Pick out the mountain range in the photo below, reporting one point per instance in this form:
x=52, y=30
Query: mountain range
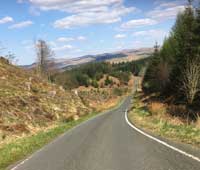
x=114, y=57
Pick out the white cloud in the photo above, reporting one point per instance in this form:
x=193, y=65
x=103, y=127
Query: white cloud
x=138, y=23
x=89, y=18
x=75, y=6
x=34, y=11
x=68, y=39
x=81, y=38
x=6, y=20
x=166, y=10
x=64, y=39
x=154, y=33
x=84, y=12
x=120, y=36
x=62, y=48
x=52, y=44
x=21, y=25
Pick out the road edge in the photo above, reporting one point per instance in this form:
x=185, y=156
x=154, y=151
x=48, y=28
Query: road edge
x=60, y=136
x=160, y=141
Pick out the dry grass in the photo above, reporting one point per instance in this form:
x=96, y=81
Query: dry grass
x=157, y=108
x=155, y=118
x=197, y=123
x=29, y=102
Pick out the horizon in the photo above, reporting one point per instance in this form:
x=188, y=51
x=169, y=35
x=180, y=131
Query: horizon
x=79, y=28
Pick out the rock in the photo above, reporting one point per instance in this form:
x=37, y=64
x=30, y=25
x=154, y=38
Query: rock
x=75, y=117
x=28, y=85
x=76, y=92
x=52, y=93
x=61, y=88
x=56, y=108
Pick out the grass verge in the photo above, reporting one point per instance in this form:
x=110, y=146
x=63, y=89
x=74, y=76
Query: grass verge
x=23, y=147
x=163, y=124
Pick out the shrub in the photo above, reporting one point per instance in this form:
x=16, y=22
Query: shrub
x=118, y=91
x=157, y=108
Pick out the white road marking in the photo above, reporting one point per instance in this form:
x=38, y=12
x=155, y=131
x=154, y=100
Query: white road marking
x=160, y=141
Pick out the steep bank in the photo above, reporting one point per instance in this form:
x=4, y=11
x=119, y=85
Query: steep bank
x=28, y=102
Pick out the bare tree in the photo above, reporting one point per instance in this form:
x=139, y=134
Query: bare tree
x=11, y=57
x=191, y=79
x=44, y=58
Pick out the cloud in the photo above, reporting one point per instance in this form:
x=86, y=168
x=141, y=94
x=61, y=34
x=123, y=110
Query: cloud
x=62, y=48
x=67, y=39
x=21, y=25
x=64, y=39
x=81, y=38
x=120, y=36
x=6, y=20
x=34, y=11
x=89, y=18
x=84, y=12
x=138, y=23
x=166, y=10
x=154, y=33
x=75, y=6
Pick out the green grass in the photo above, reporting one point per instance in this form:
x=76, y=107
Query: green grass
x=21, y=148
x=159, y=125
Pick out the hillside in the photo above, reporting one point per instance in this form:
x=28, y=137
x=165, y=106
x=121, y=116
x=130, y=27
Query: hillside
x=27, y=102
x=115, y=57
x=100, y=74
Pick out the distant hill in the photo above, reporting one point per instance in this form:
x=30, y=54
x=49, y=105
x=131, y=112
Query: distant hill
x=116, y=57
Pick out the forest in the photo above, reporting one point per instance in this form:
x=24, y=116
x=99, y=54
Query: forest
x=174, y=70
x=89, y=74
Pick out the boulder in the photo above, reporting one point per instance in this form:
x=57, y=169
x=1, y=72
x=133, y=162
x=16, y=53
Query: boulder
x=75, y=117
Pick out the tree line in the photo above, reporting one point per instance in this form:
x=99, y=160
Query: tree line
x=174, y=69
x=91, y=73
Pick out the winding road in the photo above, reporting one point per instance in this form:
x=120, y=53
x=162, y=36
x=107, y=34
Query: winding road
x=107, y=142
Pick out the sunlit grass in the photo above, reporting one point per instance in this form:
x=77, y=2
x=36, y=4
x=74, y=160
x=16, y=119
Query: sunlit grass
x=155, y=120
x=21, y=148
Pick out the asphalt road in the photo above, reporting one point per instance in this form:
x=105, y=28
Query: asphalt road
x=107, y=143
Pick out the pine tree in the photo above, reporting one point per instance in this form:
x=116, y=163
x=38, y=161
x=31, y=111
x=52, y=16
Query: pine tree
x=150, y=81
x=197, y=28
x=184, y=41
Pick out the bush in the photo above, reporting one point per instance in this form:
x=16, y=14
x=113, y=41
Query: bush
x=108, y=81
x=118, y=91
x=157, y=108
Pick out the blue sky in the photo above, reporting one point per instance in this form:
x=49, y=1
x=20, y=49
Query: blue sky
x=74, y=28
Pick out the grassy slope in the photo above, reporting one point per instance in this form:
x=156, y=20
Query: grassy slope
x=28, y=103
x=19, y=149
x=158, y=122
